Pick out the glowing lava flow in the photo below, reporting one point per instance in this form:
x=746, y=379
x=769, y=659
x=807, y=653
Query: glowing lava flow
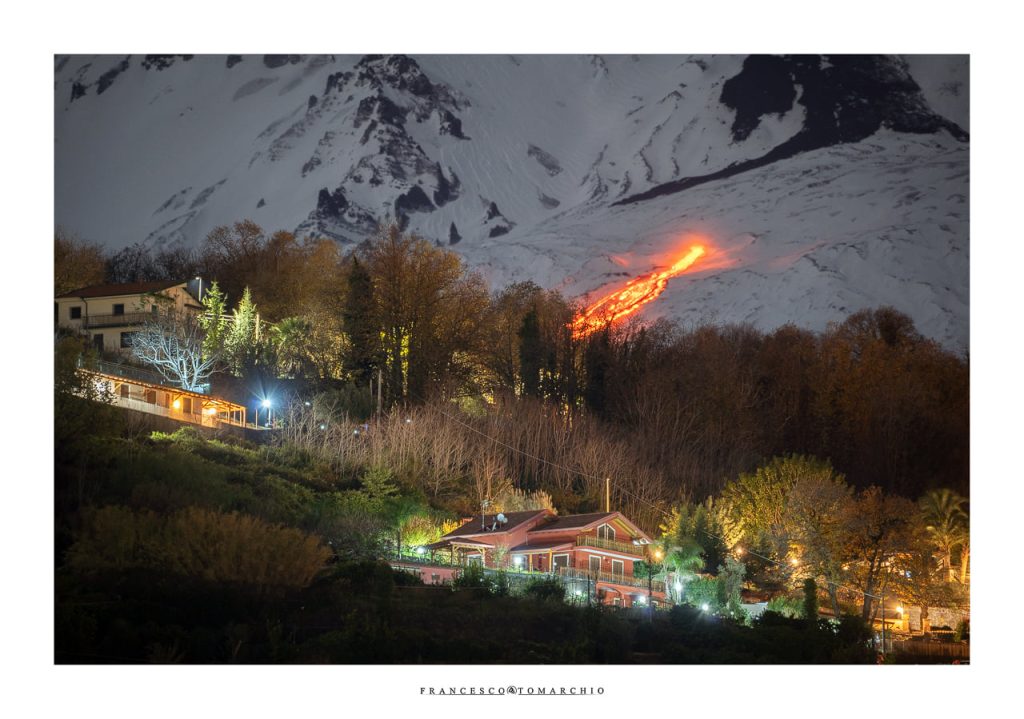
x=637, y=293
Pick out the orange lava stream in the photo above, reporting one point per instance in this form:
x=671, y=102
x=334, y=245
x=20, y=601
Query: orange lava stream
x=637, y=293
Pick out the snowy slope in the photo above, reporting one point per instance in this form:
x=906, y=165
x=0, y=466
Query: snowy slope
x=823, y=185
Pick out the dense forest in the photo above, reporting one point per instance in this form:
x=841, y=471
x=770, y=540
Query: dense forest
x=680, y=410
x=409, y=392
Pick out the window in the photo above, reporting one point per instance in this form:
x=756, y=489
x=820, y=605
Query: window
x=153, y=309
x=126, y=339
x=616, y=601
x=595, y=564
x=561, y=560
x=435, y=578
x=76, y=313
x=97, y=342
x=119, y=309
x=605, y=532
x=618, y=567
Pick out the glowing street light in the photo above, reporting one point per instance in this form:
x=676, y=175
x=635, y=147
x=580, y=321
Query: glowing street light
x=704, y=607
x=421, y=550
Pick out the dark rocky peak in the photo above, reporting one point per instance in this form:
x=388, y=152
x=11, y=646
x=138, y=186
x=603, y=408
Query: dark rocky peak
x=162, y=62
x=331, y=205
x=274, y=61
x=402, y=73
x=107, y=78
x=846, y=99
x=496, y=222
x=337, y=81
x=381, y=108
x=233, y=60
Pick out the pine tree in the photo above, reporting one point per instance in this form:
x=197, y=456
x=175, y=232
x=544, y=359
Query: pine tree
x=531, y=354
x=214, y=321
x=358, y=322
x=242, y=342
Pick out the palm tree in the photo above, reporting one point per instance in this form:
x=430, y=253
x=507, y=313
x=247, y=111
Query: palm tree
x=946, y=524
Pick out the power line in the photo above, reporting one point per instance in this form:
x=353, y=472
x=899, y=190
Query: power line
x=634, y=496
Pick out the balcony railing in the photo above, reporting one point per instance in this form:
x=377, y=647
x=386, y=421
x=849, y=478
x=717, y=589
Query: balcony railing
x=124, y=319
x=611, y=578
x=589, y=540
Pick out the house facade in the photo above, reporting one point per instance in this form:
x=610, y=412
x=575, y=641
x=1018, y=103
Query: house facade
x=594, y=554
x=109, y=314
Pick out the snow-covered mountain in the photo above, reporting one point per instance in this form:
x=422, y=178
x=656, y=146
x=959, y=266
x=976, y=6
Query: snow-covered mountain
x=821, y=184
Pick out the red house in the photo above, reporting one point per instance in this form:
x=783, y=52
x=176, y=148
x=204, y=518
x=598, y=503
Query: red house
x=593, y=553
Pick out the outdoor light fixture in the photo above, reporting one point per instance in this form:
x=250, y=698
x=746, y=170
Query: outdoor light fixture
x=518, y=561
x=177, y=404
x=679, y=587
x=307, y=404
x=579, y=592
x=739, y=551
x=704, y=607
x=323, y=426
x=641, y=600
x=420, y=550
x=355, y=432
x=899, y=609
x=794, y=561
x=408, y=420
x=266, y=404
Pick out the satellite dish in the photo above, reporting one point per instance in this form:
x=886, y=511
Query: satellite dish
x=501, y=518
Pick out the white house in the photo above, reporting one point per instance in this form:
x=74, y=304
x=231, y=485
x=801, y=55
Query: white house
x=109, y=314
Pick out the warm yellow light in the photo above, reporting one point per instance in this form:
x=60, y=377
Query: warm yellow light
x=794, y=561
x=177, y=404
x=846, y=567
x=899, y=609
x=211, y=410
x=637, y=292
x=739, y=551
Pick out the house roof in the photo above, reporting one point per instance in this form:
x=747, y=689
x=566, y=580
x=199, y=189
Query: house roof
x=130, y=288
x=472, y=528
x=576, y=521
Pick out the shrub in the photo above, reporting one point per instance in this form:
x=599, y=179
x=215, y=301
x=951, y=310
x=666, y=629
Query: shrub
x=546, y=589
x=198, y=543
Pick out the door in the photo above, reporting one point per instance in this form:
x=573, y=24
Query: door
x=97, y=342
x=594, y=564
x=618, y=567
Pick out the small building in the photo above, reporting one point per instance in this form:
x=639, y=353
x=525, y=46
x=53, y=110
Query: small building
x=109, y=314
x=136, y=389
x=594, y=554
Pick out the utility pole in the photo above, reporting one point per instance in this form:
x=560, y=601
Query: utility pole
x=380, y=395
x=607, y=494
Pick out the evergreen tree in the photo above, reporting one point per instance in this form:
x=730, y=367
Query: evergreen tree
x=242, y=342
x=596, y=364
x=214, y=321
x=358, y=322
x=531, y=354
x=811, y=602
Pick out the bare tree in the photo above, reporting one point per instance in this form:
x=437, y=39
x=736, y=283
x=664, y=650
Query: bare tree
x=172, y=344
